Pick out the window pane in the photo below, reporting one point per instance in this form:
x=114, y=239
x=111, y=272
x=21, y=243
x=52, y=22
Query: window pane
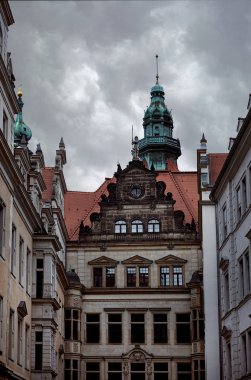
x=92, y=317
x=137, y=333
x=131, y=277
x=110, y=277
x=161, y=367
x=114, y=366
x=92, y=366
x=92, y=333
x=143, y=276
x=114, y=318
x=160, y=333
x=137, y=367
x=115, y=333
x=97, y=277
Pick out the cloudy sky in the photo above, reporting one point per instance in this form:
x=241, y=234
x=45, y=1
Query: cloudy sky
x=86, y=69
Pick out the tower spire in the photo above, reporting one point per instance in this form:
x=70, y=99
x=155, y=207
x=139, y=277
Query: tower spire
x=157, y=69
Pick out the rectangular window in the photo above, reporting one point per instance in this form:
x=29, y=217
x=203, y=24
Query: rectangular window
x=1, y=324
x=28, y=270
x=244, y=193
x=160, y=328
x=92, y=371
x=226, y=291
x=27, y=347
x=229, y=360
x=39, y=278
x=137, y=371
x=19, y=341
x=183, y=334
x=247, y=273
x=224, y=221
x=114, y=328
x=21, y=259
x=2, y=227
x=110, y=277
x=244, y=354
x=11, y=334
x=72, y=324
x=71, y=369
x=143, y=276
x=241, y=278
x=5, y=126
x=131, y=276
x=137, y=328
x=13, y=249
x=115, y=371
x=198, y=324
x=238, y=203
x=38, y=350
x=184, y=371
x=177, y=276
x=164, y=276
x=160, y=371
x=199, y=370
x=92, y=328
x=97, y=277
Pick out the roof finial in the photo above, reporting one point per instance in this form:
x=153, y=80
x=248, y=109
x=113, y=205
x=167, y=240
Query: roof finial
x=157, y=69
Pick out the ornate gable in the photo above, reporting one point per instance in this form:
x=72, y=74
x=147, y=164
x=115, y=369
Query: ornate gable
x=170, y=259
x=137, y=260
x=103, y=260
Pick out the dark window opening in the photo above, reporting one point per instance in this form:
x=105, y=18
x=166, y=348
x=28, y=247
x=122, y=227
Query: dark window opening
x=92, y=328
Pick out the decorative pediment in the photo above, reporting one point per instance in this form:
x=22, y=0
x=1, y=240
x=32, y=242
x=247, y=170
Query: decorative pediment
x=137, y=354
x=170, y=259
x=137, y=260
x=224, y=263
x=22, y=309
x=103, y=260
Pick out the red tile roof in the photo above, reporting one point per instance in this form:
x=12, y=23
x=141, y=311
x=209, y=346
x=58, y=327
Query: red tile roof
x=80, y=205
x=183, y=186
x=215, y=161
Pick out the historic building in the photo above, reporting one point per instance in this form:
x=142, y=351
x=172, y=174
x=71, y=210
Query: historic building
x=135, y=255
x=225, y=199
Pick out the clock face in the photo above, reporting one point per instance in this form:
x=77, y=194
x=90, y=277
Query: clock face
x=136, y=192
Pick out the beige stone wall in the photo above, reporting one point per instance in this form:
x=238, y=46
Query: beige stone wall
x=13, y=288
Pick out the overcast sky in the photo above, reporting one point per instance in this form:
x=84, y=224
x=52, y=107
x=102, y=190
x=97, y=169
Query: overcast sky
x=86, y=69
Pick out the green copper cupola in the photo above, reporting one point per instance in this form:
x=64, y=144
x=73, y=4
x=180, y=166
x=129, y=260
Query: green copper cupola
x=158, y=145
x=22, y=133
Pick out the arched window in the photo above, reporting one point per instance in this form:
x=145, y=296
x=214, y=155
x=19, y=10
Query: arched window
x=120, y=227
x=153, y=225
x=1, y=40
x=137, y=226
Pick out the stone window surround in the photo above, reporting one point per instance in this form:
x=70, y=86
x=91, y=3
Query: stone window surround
x=171, y=262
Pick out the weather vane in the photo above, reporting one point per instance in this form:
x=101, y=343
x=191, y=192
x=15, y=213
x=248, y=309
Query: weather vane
x=157, y=69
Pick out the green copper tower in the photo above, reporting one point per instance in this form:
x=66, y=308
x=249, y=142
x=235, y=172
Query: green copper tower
x=158, y=145
x=22, y=133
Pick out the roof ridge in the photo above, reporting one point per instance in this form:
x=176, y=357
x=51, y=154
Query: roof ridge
x=182, y=196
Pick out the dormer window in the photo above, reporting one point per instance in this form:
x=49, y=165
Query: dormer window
x=120, y=227
x=137, y=226
x=153, y=225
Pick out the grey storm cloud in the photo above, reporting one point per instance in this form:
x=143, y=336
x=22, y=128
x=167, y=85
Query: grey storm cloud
x=86, y=68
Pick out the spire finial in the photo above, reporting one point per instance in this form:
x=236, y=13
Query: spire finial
x=157, y=69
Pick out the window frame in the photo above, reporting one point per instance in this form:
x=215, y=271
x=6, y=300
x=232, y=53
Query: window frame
x=90, y=374
x=184, y=372
x=138, y=275
x=158, y=323
x=2, y=228
x=71, y=372
x=118, y=226
x=179, y=329
x=153, y=222
x=137, y=226
x=135, y=328
x=173, y=276
x=72, y=324
x=88, y=325
x=110, y=326
x=104, y=275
